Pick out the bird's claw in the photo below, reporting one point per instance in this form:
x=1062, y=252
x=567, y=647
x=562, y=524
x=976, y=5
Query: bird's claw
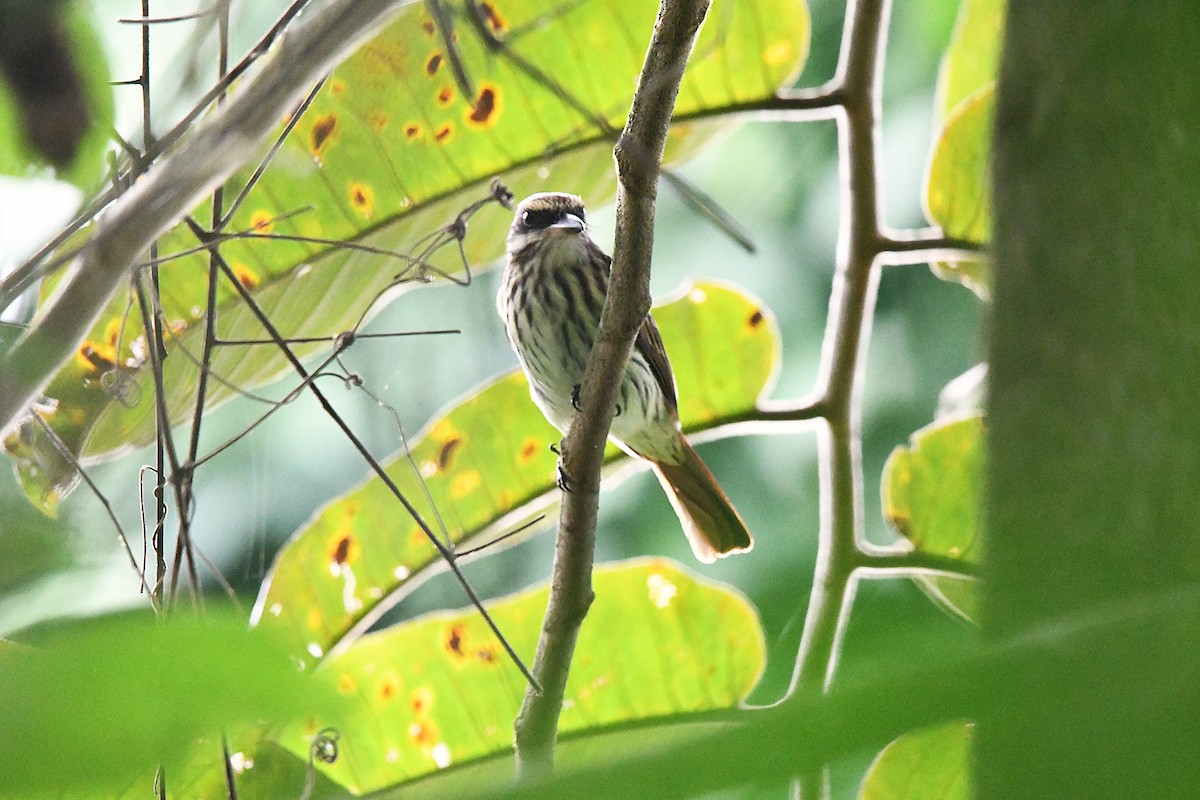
x=563, y=480
x=575, y=400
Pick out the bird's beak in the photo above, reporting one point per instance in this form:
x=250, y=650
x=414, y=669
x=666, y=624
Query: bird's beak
x=569, y=222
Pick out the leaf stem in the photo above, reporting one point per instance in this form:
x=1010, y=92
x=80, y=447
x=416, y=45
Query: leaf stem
x=926, y=244
x=849, y=325
x=902, y=561
x=856, y=87
x=638, y=155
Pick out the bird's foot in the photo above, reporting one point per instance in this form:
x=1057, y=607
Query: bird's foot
x=575, y=400
x=563, y=480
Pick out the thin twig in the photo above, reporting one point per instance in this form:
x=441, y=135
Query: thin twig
x=458, y=66
x=447, y=555
x=230, y=781
x=166, y=452
x=638, y=154
x=333, y=339
x=147, y=21
x=66, y=453
x=151, y=324
x=186, y=478
x=698, y=201
x=173, y=185
x=219, y=222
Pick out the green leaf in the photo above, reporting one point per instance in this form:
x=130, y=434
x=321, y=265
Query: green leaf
x=440, y=691
x=102, y=702
x=931, y=496
x=929, y=764
x=361, y=554
x=388, y=153
x=610, y=746
x=972, y=60
x=261, y=769
x=958, y=189
x=78, y=117
x=957, y=192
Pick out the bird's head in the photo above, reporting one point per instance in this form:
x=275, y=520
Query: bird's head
x=546, y=216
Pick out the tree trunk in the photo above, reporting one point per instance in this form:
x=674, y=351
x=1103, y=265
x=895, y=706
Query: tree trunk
x=1094, y=424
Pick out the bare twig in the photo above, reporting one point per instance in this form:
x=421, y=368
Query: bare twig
x=447, y=555
x=185, y=478
x=152, y=324
x=66, y=453
x=172, y=186
x=637, y=154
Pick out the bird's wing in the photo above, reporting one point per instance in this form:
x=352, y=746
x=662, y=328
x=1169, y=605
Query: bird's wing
x=649, y=345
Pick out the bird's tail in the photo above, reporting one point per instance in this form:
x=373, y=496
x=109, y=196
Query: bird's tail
x=713, y=526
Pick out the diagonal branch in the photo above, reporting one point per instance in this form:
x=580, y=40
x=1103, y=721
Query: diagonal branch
x=638, y=154
x=175, y=185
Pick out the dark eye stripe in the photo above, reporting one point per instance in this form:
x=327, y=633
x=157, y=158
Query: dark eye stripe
x=536, y=220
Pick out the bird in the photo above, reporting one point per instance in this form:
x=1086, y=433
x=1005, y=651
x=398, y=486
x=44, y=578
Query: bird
x=551, y=294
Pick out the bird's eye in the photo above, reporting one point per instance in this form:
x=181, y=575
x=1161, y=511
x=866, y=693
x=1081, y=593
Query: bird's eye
x=536, y=220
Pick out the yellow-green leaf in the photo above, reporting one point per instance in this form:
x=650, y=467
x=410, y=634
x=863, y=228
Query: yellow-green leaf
x=931, y=495
x=486, y=464
x=388, y=152
x=973, y=58
x=439, y=691
x=958, y=190
x=930, y=764
x=960, y=157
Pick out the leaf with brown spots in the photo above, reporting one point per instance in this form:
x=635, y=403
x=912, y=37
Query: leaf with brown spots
x=320, y=133
x=486, y=479
x=687, y=646
x=364, y=181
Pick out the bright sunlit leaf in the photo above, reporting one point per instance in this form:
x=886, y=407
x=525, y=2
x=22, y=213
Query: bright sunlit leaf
x=437, y=692
x=973, y=58
x=388, y=153
x=958, y=189
x=487, y=465
x=957, y=185
x=931, y=496
x=929, y=764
